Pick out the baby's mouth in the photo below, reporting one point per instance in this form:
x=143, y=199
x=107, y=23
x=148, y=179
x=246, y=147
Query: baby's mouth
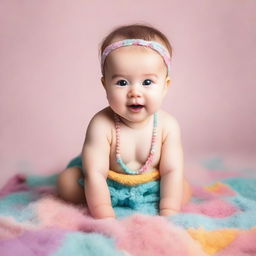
x=135, y=107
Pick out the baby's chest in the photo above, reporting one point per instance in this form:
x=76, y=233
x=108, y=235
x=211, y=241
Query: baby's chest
x=135, y=146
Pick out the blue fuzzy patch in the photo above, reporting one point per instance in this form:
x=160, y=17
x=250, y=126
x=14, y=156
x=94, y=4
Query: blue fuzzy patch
x=80, y=244
x=245, y=187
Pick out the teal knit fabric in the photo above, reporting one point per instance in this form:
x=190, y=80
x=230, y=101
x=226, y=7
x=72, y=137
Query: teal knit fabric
x=127, y=199
x=143, y=198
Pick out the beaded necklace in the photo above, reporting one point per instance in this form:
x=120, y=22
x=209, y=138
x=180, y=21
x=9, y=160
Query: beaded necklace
x=151, y=153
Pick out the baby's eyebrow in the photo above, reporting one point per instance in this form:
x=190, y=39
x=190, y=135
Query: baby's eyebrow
x=117, y=75
x=151, y=74
x=143, y=75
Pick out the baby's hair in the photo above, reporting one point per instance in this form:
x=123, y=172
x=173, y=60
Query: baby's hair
x=136, y=31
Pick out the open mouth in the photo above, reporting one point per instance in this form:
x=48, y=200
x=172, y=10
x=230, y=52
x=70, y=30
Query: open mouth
x=135, y=107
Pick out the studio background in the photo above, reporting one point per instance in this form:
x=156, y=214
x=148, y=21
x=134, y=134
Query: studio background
x=50, y=76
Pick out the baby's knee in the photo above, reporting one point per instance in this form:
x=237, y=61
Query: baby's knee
x=68, y=178
x=63, y=178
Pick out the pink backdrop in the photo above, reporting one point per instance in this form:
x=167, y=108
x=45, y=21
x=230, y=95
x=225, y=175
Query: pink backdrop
x=50, y=75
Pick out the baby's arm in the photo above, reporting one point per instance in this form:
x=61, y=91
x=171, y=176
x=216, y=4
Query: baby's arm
x=171, y=169
x=95, y=157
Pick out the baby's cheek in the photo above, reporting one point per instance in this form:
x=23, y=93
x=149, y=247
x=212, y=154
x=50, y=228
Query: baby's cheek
x=111, y=97
x=115, y=103
x=155, y=100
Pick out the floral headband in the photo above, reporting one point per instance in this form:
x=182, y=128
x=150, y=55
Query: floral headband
x=128, y=42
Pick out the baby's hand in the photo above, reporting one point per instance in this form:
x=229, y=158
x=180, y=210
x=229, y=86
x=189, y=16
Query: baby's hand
x=168, y=212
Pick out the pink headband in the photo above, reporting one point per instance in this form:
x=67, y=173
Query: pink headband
x=128, y=42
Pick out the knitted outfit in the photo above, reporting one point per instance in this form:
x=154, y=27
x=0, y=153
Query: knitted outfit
x=130, y=191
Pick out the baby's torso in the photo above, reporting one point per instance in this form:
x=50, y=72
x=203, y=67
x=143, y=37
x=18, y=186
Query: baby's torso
x=135, y=145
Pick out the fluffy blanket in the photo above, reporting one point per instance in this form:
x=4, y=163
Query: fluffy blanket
x=220, y=220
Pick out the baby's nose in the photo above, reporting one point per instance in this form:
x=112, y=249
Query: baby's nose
x=134, y=91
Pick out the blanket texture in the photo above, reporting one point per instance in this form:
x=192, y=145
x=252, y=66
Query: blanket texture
x=220, y=220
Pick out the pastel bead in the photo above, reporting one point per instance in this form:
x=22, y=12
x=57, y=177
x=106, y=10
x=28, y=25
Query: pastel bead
x=149, y=160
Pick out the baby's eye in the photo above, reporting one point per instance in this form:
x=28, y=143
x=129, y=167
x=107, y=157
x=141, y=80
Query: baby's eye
x=147, y=82
x=122, y=82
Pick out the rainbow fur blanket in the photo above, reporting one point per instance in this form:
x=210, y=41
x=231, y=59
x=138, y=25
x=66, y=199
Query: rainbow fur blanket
x=220, y=220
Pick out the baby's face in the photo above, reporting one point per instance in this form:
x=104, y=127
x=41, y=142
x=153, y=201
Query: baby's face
x=135, y=81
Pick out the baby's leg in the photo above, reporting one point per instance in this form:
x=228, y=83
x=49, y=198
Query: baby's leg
x=68, y=187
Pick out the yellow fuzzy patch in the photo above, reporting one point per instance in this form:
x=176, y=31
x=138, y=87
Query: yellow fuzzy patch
x=213, y=241
x=217, y=187
x=136, y=179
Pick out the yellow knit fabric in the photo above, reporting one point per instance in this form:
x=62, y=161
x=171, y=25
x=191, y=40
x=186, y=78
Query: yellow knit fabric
x=136, y=179
x=213, y=241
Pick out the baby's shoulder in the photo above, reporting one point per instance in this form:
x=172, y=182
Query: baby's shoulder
x=169, y=124
x=101, y=122
x=104, y=117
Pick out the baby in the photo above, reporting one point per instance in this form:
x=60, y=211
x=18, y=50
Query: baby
x=132, y=141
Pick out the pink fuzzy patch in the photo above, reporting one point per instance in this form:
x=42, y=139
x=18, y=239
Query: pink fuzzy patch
x=135, y=234
x=54, y=212
x=15, y=184
x=212, y=205
x=9, y=228
x=146, y=235
x=243, y=245
x=216, y=208
x=218, y=191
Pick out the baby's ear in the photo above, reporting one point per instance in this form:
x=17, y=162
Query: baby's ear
x=168, y=81
x=167, y=84
x=103, y=81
